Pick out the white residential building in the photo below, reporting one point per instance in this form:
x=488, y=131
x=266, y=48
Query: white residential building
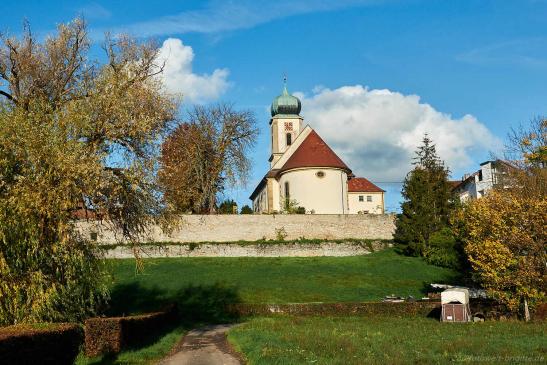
x=477, y=184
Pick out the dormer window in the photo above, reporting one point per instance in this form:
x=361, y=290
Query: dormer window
x=289, y=139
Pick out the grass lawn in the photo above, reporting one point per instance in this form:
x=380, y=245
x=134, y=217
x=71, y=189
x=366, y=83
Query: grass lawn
x=387, y=340
x=271, y=280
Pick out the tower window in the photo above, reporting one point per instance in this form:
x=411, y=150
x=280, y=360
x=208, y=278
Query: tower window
x=289, y=139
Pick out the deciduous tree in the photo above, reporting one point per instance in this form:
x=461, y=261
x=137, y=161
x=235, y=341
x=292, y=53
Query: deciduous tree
x=505, y=236
x=228, y=206
x=205, y=153
x=246, y=210
x=74, y=133
x=504, y=232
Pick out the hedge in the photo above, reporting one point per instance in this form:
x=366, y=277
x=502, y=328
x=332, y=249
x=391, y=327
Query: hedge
x=365, y=308
x=55, y=344
x=541, y=312
x=109, y=335
x=487, y=308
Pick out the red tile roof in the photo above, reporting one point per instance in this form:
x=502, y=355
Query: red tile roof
x=314, y=152
x=362, y=185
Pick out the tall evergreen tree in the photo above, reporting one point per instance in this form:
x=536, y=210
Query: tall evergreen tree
x=428, y=201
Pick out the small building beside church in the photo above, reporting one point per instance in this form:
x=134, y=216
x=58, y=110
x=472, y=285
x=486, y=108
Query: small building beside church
x=305, y=172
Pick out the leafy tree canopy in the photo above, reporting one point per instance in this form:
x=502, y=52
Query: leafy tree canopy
x=74, y=134
x=246, y=209
x=504, y=232
x=227, y=207
x=428, y=201
x=206, y=152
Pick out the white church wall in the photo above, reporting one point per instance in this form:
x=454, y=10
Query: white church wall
x=276, y=197
x=374, y=206
x=260, y=203
x=322, y=195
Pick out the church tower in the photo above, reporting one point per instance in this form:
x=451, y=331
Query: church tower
x=285, y=124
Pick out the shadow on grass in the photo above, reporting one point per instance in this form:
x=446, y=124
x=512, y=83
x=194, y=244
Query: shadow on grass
x=196, y=306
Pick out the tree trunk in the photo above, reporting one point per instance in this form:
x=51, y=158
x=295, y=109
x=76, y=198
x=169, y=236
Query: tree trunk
x=526, y=311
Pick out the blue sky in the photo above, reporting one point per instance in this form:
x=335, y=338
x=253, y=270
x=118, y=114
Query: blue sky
x=373, y=75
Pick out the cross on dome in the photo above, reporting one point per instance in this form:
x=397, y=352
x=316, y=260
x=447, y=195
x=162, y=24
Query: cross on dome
x=286, y=104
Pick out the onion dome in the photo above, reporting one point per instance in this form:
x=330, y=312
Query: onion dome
x=286, y=104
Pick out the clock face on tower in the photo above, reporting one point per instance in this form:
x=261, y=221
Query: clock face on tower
x=288, y=127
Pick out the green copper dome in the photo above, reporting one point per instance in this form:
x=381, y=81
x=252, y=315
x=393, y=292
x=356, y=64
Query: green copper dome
x=286, y=104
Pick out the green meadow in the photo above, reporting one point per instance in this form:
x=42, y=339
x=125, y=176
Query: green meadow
x=272, y=280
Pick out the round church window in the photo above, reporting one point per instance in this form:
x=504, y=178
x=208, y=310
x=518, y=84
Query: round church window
x=320, y=174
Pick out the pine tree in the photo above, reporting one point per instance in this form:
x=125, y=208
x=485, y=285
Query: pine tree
x=428, y=201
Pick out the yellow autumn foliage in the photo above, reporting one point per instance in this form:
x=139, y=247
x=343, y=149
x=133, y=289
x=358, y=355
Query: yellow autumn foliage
x=74, y=134
x=504, y=239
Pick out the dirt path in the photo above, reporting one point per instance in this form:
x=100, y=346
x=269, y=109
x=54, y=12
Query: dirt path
x=204, y=346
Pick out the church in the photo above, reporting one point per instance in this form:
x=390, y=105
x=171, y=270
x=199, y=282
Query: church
x=306, y=175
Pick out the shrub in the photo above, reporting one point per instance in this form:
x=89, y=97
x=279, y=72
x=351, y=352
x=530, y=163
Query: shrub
x=112, y=334
x=64, y=281
x=227, y=207
x=290, y=206
x=280, y=234
x=246, y=209
x=443, y=250
x=57, y=344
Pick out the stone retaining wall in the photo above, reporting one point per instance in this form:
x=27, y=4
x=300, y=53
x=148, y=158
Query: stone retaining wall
x=229, y=228
x=289, y=249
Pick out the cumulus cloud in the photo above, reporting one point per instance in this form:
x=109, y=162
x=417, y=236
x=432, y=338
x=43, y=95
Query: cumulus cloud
x=179, y=78
x=377, y=131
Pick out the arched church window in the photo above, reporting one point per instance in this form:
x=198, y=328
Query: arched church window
x=289, y=139
x=287, y=191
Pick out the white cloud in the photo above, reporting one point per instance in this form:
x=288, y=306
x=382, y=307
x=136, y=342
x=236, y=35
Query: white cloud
x=179, y=78
x=525, y=52
x=377, y=131
x=95, y=11
x=220, y=15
